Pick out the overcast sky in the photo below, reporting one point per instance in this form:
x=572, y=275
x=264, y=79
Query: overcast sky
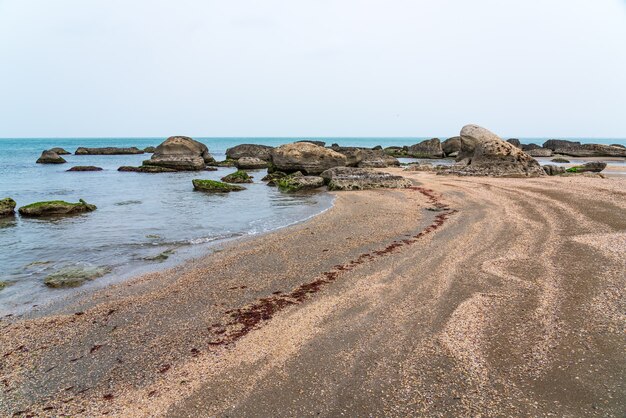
x=527, y=68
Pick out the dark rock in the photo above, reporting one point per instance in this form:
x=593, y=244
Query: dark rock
x=515, y=142
x=350, y=178
x=528, y=147
x=559, y=160
x=181, y=153
x=555, y=144
x=272, y=178
x=431, y=148
x=7, y=207
x=50, y=157
x=250, y=163
x=553, y=170
x=85, y=168
x=592, y=150
x=262, y=152
x=56, y=207
x=334, y=145
x=397, y=151
x=107, y=151
x=294, y=183
x=591, y=167
x=305, y=157
x=451, y=145
x=146, y=169
x=60, y=151
x=213, y=186
x=377, y=148
x=238, y=176
x=149, y=150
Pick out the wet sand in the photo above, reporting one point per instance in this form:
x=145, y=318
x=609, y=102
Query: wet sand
x=458, y=297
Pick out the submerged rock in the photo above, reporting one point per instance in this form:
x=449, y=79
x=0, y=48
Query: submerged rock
x=74, y=276
x=553, y=170
x=108, y=151
x=350, y=178
x=7, y=207
x=160, y=257
x=483, y=153
x=591, y=167
x=214, y=186
x=294, y=183
x=262, y=152
x=55, y=207
x=238, y=176
x=85, y=168
x=180, y=153
x=60, y=151
x=431, y=148
x=146, y=169
x=250, y=163
x=305, y=157
x=50, y=157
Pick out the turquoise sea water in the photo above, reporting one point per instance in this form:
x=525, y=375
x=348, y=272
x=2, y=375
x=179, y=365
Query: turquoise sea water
x=139, y=215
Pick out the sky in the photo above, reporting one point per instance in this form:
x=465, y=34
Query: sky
x=315, y=68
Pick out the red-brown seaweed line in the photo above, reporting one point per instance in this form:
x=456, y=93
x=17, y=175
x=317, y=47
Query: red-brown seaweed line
x=248, y=318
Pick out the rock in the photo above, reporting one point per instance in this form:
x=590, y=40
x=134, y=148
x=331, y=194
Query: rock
x=226, y=163
x=305, y=157
x=60, y=151
x=420, y=167
x=295, y=182
x=213, y=186
x=354, y=155
x=554, y=144
x=210, y=168
x=250, y=163
x=238, y=176
x=559, y=160
x=107, y=151
x=431, y=148
x=74, y=276
x=55, y=207
x=539, y=152
x=591, y=167
x=272, y=178
x=377, y=148
x=515, y=142
x=3, y=284
x=350, y=178
x=149, y=150
x=397, y=151
x=146, y=169
x=483, y=153
x=318, y=143
x=7, y=207
x=262, y=152
x=553, y=170
x=181, y=153
x=377, y=159
x=528, y=147
x=592, y=150
x=618, y=145
x=50, y=157
x=454, y=154
x=85, y=168
x=160, y=257
x=451, y=145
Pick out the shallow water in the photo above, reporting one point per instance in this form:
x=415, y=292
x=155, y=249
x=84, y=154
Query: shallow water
x=143, y=221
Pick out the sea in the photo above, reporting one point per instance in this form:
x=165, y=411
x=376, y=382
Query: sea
x=144, y=222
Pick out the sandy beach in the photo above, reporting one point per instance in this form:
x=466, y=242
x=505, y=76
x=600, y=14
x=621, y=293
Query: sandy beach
x=457, y=297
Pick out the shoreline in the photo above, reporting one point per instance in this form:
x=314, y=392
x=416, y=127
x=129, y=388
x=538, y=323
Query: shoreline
x=166, y=327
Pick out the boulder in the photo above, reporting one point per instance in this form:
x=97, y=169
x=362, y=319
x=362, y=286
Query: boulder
x=318, y=143
x=451, y=145
x=213, y=186
x=149, y=150
x=397, y=151
x=539, y=152
x=238, y=176
x=294, y=183
x=180, y=153
x=226, y=163
x=515, y=142
x=50, y=157
x=354, y=155
x=85, y=168
x=591, y=167
x=483, y=153
x=559, y=160
x=250, y=163
x=592, y=150
x=272, y=178
x=262, y=152
x=431, y=148
x=108, y=151
x=555, y=144
x=74, y=276
x=7, y=207
x=146, y=169
x=528, y=147
x=60, y=151
x=55, y=207
x=351, y=178
x=553, y=170
x=305, y=157
x=377, y=148
x=377, y=159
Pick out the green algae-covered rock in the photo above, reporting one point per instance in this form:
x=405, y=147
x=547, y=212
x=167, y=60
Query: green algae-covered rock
x=591, y=167
x=3, y=285
x=146, y=169
x=74, y=276
x=7, y=207
x=213, y=186
x=238, y=176
x=56, y=207
x=295, y=183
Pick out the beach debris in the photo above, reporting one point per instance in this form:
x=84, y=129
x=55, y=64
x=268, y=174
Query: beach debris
x=306, y=157
x=85, y=168
x=56, y=207
x=108, y=151
x=353, y=178
x=238, y=176
x=74, y=276
x=7, y=207
x=50, y=157
x=214, y=186
x=180, y=153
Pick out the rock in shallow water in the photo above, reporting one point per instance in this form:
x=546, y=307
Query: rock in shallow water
x=50, y=157
x=7, y=207
x=85, y=168
x=55, y=207
x=108, y=151
x=60, y=151
x=297, y=182
x=74, y=276
x=238, y=176
x=180, y=153
x=213, y=186
x=146, y=169
x=350, y=178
